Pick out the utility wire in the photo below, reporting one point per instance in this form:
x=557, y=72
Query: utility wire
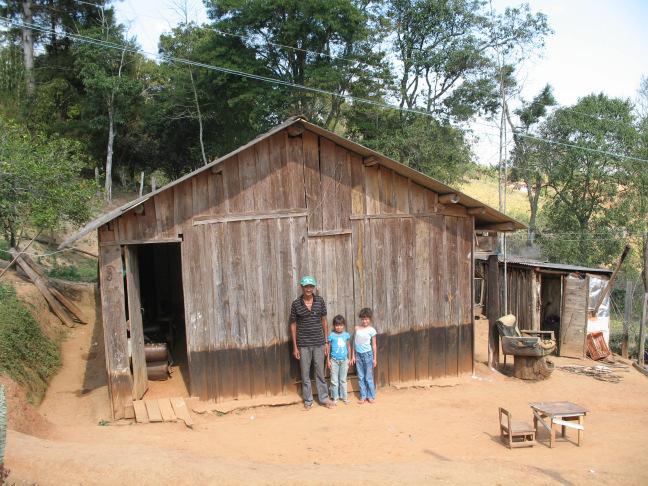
x=253, y=39
x=122, y=47
x=571, y=145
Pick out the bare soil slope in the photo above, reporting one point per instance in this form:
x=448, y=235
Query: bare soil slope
x=447, y=434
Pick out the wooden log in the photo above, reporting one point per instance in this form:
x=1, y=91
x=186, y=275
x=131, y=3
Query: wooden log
x=449, y=198
x=43, y=289
x=531, y=368
x=70, y=306
x=295, y=130
x=476, y=211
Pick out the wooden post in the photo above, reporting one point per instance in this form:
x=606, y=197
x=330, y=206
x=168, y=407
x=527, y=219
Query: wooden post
x=610, y=284
x=627, y=315
x=153, y=184
x=493, y=290
x=644, y=308
x=113, y=312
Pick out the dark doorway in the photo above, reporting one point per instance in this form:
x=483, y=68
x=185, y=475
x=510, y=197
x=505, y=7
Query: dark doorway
x=551, y=304
x=163, y=317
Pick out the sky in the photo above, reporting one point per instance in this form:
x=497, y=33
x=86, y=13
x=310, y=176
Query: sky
x=597, y=46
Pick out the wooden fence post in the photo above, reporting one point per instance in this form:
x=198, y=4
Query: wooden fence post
x=493, y=291
x=644, y=308
x=627, y=316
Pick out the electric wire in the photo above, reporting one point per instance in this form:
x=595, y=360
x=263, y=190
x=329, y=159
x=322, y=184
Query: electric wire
x=289, y=84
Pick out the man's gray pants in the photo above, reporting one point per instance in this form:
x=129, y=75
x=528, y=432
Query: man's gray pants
x=315, y=355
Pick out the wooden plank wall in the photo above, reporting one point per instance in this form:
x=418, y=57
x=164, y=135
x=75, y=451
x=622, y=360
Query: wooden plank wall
x=290, y=206
x=520, y=294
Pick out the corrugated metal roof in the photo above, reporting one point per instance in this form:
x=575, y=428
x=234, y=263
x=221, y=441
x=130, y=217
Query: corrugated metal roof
x=490, y=215
x=552, y=266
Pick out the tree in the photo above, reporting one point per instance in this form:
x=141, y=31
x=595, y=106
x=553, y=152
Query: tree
x=529, y=155
x=41, y=186
x=588, y=196
x=323, y=44
x=110, y=79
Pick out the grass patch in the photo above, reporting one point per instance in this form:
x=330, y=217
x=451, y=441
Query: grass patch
x=86, y=272
x=485, y=188
x=4, y=250
x=27, y=355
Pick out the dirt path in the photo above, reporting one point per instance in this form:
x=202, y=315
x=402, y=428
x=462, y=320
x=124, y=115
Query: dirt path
x=446, y=434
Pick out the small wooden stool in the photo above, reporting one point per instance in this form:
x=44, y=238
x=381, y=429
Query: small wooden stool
x=515, y=434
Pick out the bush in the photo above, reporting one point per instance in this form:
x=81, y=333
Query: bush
x=82, y=273
x=27, y=355
x=4, y=250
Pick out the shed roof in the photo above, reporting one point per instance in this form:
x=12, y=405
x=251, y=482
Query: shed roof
x=525, y=262
x=490, y=216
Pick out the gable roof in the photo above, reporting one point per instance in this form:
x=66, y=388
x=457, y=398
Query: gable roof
x=489, y=216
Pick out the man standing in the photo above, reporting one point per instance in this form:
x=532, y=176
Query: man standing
x=308, y=327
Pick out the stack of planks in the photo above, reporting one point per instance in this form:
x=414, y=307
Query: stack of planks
x=64, y=308
x=162, y=410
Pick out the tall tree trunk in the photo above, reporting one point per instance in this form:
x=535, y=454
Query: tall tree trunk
x=28, y=48
x=627, y=316
x=200, y=122
x=534, y=199
x=111, y=133
x=109, y=150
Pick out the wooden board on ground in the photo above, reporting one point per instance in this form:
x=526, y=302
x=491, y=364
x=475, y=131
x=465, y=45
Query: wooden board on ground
x=153, y=410
x=168, y=415
x=181, y=411
x=141, y=416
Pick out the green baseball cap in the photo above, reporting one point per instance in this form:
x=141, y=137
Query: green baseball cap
x=308, y=280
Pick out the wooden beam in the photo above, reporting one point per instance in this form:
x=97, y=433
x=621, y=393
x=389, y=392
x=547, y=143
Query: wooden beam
x=369, y=161
x=477, y=211
x=70, y=306
x=449, y=198
x=498, y=227
x=113, y=313
x=295, y=130
x=610, y=283
x=40, y=284
x=141, y=242
x=295, y=213
x=315, y=234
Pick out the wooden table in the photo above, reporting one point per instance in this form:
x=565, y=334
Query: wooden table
x=564, y=414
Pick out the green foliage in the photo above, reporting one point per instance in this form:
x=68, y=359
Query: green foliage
x=75, y=273
x=4, y=250
x=41, y=185
x=589, y=197
x=436, y=149
x=27, y=355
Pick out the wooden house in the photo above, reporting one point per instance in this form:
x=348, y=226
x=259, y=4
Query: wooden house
x=548, y=296
x=223, y=248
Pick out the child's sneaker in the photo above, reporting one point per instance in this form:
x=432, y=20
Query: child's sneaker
x=346, y=402
x=371, y=400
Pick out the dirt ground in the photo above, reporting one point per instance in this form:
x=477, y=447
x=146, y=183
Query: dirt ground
x=444, y=433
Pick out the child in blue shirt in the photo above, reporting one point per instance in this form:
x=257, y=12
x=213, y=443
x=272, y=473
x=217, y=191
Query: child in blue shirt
x=365, y=356
x=338, y=359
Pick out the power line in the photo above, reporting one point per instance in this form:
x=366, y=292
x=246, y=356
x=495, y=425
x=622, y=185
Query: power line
x=252, y=39
x=289, y=84
x=571, y=145
x=121, y=47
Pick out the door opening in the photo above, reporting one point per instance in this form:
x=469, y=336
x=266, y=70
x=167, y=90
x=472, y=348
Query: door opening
x=161, y=305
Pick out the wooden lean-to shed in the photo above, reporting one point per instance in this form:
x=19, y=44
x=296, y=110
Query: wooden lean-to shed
x=221, y=251
x=550, y=297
